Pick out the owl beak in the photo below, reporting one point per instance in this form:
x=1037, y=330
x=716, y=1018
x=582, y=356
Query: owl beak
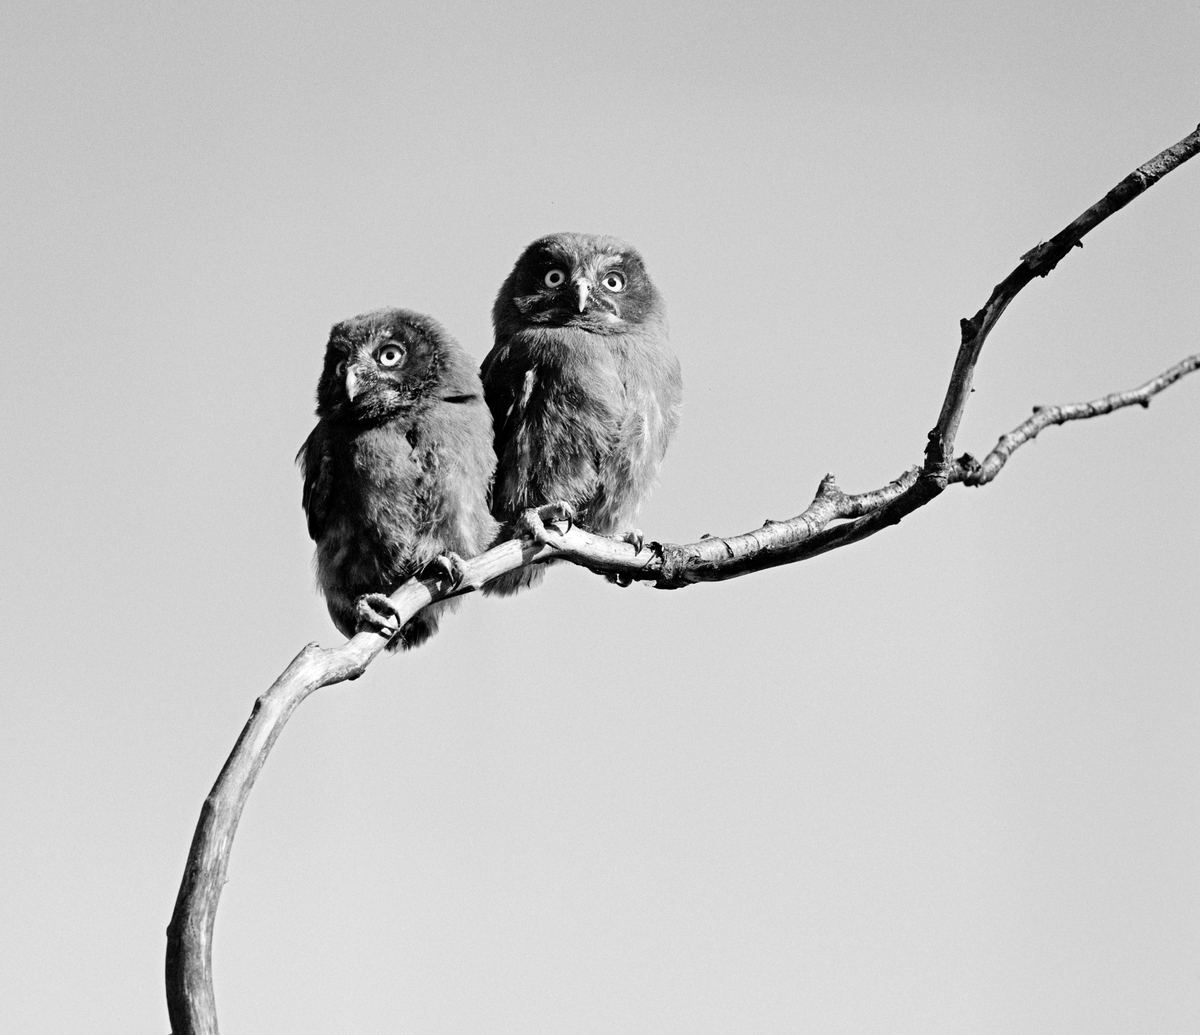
x=352, y=383
x=582, y=288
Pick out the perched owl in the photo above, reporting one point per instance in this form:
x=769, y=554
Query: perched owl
x=584, y=389
x=398, y=470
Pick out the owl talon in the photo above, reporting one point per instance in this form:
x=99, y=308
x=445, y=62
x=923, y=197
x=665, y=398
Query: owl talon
x=377, y=614
x=560, y=510
x=635, y=539
x=451, y=567
x=532, y=523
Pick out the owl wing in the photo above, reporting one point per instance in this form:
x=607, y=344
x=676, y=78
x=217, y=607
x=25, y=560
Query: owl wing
x=510, y=377
x=316, y=461
x=503, y=374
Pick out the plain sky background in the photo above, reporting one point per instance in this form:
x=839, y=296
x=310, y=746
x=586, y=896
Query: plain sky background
x=944, y=781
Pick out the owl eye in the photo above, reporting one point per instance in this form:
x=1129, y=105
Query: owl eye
x=613, y=281
x=554, y=278
x=390, y=354
x=340, y=369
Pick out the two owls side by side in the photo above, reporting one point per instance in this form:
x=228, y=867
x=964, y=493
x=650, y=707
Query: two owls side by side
x=416, y=459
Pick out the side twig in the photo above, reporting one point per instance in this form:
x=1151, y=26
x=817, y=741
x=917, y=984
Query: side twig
x=970, y=471
x=833, y=519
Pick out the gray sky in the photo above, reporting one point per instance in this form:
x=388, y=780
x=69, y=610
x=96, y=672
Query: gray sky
x=943, y=781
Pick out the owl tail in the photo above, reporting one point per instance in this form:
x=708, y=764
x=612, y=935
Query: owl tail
x=514, y=581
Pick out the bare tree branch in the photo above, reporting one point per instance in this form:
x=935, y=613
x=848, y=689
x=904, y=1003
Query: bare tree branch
x=970, y=471
x=833, y=519
x=1037, y=262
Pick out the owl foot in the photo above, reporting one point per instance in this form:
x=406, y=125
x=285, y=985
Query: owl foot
x=634, y=538
x=532, y=523
x=377, y=614
x=453, y=569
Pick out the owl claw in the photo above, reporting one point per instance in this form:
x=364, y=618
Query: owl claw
x=635, y=539
x=452, y=568
x=377, y=614
x=560, y=510
x=532, y=523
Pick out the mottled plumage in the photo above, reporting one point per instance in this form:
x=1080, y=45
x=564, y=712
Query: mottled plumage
x=584, y=389
x=398, y=469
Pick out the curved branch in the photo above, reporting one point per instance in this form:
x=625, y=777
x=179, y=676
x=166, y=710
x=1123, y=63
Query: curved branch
x=833, y=519
x=191, y=1004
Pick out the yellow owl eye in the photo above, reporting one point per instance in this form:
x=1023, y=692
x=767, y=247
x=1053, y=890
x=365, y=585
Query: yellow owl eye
x=390, y=354
x=613, y=281
x=554, y=278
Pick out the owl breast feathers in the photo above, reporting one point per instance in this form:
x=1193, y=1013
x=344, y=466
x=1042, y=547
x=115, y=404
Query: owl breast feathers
x=398, y=470
x=582, y=384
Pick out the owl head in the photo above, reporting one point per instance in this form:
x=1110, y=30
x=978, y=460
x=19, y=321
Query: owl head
x=384, y=363
x=585, y=280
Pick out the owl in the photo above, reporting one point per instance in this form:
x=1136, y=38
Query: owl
x=398, y=470
x=584, y=389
